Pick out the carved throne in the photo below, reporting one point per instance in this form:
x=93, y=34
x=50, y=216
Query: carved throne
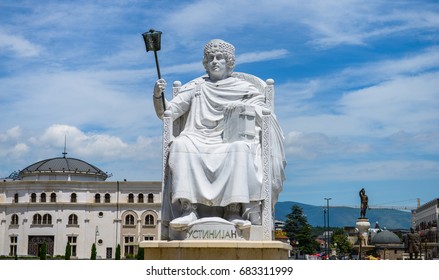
x=172, y=129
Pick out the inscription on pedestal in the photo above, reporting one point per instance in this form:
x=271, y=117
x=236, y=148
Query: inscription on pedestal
x=213, y=229
x=211, y=234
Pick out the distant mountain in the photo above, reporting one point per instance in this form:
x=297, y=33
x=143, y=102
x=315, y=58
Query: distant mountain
x=346, y=216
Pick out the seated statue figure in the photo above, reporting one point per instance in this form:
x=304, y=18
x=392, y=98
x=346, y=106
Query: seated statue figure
x=213, y=173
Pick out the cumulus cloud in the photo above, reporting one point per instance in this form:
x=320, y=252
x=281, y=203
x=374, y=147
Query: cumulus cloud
x=93, y=145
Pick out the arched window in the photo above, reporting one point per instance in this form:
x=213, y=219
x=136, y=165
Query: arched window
x=150, y=198
x=14, y=219
x=73, y=197
x=37, y=219
x=129, y=220
x=107, y=198
x=73, y=219
x=43, y=197
x=131, y=198
x=16, y=198
x=47, y=219
x=33, y=197
x=97, y=198
x=53, y=197
x=140, y=198
x=149, y=220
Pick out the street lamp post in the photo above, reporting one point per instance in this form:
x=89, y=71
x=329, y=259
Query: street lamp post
x=327, y=223
x=325, y=236
x=96, y=234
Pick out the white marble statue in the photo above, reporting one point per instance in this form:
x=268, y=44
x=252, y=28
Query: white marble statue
x=215, y=166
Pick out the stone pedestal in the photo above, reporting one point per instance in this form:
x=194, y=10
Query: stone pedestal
x=215, y=250
x=363, y=226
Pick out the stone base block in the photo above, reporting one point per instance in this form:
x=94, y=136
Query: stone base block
x=215, y=250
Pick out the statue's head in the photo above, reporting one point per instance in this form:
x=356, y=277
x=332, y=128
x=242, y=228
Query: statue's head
x=217, y=46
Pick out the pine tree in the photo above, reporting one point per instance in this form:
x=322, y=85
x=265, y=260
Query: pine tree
x=296, y=220
x=68, y=253
x=93, y=252
x=43, y=251
x=118, y=252
x=299, y=231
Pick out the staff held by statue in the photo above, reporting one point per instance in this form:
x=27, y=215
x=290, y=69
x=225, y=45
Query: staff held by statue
x=152, y=40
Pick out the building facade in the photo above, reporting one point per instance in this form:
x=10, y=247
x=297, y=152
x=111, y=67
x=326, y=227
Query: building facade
x=426, y=219
x=66, y=200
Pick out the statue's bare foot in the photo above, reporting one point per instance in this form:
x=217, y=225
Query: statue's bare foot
x=183, y=222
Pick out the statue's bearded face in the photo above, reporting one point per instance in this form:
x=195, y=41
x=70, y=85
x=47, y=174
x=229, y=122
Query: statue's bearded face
x=216, y=66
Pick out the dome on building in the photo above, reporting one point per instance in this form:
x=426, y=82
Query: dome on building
x=385, y=237
x=63, y=168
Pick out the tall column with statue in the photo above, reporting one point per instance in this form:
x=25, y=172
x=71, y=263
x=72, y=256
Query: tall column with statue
x=362, y=225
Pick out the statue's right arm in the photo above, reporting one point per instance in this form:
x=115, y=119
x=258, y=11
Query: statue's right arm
x=159, y=89
x=179, y=105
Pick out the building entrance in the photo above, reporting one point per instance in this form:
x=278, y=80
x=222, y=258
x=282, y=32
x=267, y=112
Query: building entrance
x=35, y=243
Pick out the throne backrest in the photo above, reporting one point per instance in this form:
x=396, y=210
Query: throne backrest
x=173, y=128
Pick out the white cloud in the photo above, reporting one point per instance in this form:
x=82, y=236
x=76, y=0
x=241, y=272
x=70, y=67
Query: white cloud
x=18, y=46
x=406, y=103
x=261, y=56
x=312, y=146
x=95, y=145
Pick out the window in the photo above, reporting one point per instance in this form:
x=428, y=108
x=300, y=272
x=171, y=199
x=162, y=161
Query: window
x=97, y=198
x=47, y=219
x=131, y=198
x=73, y=197
x=53, y=197
x=140, y=198
x=149, y=219
x=37, y=219
x=148, y=238
x=129, y=220
x=14, y=219
x=15, y=198
x=72, y=241
x=43, y=197
x=150, y=198
x=13, y=246
x=33, y=197
x=73, y=219
x=107, y=198
x=129, y=246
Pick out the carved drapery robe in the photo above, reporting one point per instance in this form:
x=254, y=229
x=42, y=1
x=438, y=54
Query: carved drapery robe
x=203, y=169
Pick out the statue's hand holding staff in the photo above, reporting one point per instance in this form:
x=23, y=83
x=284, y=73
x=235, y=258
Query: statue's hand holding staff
x=159, y=88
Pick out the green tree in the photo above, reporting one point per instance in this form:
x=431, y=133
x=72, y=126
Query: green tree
x=93, y=252
x=118, y=252
x=299, y=231
x=140, y=255
x=296, y=220
x=43, y=251
x=307, y=242
x=343, y=245
x=68, y=251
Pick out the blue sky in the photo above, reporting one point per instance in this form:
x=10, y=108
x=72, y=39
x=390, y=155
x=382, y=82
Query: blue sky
x=357, y=87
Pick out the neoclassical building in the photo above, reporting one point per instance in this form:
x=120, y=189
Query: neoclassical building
x=61, y=200
x=426, y=220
